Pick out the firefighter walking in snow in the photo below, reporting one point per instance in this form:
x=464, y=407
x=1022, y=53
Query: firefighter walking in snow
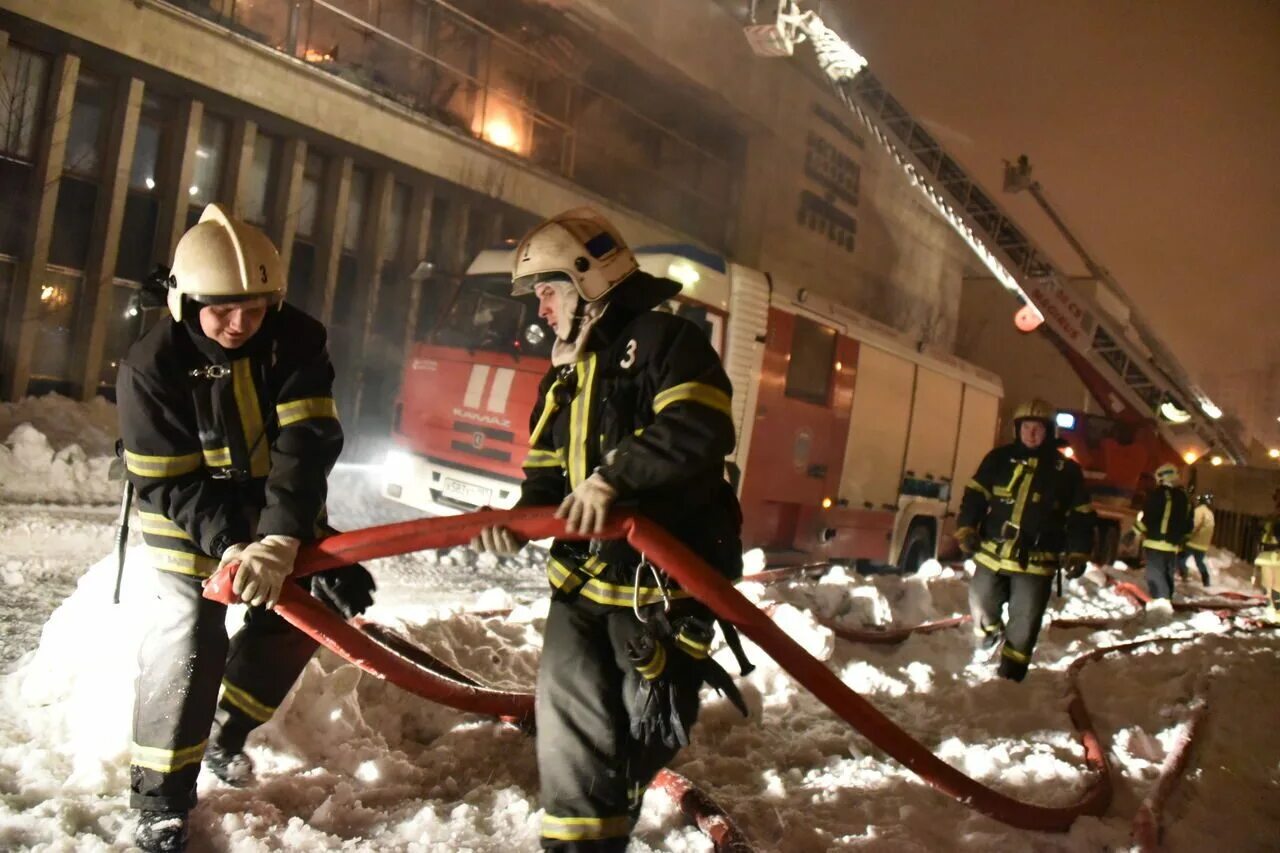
x=230, y=430
x=1268, y=563
x=1164, y=524
x=634, y=412
x=1200, y=539
x=1024, y=515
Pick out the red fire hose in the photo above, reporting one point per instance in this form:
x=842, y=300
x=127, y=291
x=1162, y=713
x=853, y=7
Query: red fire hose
x=704, y=584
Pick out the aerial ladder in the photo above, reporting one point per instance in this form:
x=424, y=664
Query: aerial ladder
x=1120, y=359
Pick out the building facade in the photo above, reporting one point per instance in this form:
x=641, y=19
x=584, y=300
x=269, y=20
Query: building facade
x=382, y=143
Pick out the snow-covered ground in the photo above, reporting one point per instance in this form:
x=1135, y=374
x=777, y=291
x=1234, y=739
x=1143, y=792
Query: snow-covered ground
x=352, y=763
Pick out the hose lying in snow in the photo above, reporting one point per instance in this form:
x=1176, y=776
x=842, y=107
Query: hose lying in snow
x=699, y=580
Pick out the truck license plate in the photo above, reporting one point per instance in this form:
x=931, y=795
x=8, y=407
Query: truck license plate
x=465, y=492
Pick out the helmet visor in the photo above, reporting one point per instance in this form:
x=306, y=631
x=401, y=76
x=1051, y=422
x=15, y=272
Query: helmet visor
x=524, y=285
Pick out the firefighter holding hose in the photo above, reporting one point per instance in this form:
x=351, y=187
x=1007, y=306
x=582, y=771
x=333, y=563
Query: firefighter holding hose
x=229, y=429
x=635, y=411
x=1024, y=516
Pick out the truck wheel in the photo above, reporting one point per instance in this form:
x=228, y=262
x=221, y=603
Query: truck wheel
x=918, y=547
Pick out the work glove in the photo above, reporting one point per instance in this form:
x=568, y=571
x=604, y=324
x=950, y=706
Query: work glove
x=967, y=540
x=347, y=590
x=264, y=566
x=1075, y=565
x=586, y=508
x=497, y=540
x=673, y=664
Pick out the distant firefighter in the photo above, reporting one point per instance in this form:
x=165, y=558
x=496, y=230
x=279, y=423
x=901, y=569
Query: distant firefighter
x=1164, y=525
x=1025, y=514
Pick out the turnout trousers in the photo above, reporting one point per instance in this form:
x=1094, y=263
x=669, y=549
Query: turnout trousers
x=1160, y=569
x=184, y=658
x=1027, y=596
x=592, y=773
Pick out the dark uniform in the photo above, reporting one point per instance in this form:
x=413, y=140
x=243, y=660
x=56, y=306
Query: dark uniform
x=648, y=408
x=223, y=447
x=1164, y=525
x=1029, y=509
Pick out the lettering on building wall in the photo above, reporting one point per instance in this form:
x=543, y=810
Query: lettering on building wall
x=833, y=176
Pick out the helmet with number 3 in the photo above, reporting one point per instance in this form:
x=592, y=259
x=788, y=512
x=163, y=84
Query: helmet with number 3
x=222, y=259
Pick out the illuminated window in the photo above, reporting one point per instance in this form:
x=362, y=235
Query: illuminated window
x=809, y=369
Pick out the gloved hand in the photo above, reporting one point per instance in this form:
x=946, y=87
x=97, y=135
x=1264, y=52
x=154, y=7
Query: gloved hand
x=672, y=669
x=232, y=553
x=347, y=590
x=497, y=540
x=967, y=540
x=587, y=507
x=264, y=566
x=1075, y=565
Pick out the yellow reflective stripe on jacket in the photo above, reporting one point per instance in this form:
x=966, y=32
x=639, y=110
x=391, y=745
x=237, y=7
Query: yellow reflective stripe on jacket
x=561, y=576
x=625, y=596
x=584, y=828
x=156, y=467
x=1168, y=510
x=1267, y=558
x=548, y=409
x=157, y=525
x=250, y=417
x=978, y=487
x=1024, y=489
x=654, y=667
x=182, y=562
x=240, y=698
x=1160, y=545
x=218, y=457
x=166, y=760
x=580, y=420
x=539, y=458
x=694, y=392
x=990, y=558
x=301, y=410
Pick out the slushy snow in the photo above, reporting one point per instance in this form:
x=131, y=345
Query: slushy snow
x=352, y=763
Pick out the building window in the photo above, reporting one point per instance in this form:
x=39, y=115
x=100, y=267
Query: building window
x=302, y=267
x=264, y=175
x=142, y=205
x=357, y=201
x=813, y=349
x=399, y=220
x=55, y=320
x=82, y=168
x=123, y=323
x=24, y=79
x=211, y=159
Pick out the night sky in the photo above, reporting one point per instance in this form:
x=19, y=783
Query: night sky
x=1154, y=128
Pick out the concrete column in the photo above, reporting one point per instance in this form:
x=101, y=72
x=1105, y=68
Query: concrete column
x=244, y=133
x=284, y=203
x=417, y=244
x=373, y=257
x=179, y=168
x=104, y=243
x=24, y=301
x=329, y=239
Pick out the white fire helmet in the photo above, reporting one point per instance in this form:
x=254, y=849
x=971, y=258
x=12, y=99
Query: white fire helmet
x=579, y=245
x=1167, y=475
x=222, y=259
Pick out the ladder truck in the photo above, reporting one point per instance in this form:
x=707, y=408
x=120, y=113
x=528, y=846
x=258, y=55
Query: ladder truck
x=1124, y=365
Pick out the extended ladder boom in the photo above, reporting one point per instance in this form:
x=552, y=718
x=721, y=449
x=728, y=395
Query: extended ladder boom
x=1137, y=368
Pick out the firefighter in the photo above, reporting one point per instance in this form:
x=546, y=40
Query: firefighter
x=634, y=412
x=1268, y=563
x=1024, y=516
x=1200, y=538
x=1164, y=524
x=229, y=430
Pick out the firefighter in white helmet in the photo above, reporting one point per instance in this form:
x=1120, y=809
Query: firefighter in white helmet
x=635, y=411
x=1164, y=525
x=229, y=430
x=1024, y=516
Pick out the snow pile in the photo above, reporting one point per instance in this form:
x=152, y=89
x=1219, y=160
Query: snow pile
x=58, y=451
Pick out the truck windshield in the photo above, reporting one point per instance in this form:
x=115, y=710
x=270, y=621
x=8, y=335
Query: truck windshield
x=485, y=316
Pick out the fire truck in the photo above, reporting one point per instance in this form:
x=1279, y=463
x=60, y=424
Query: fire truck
x=850, y=436
x=854, y=443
